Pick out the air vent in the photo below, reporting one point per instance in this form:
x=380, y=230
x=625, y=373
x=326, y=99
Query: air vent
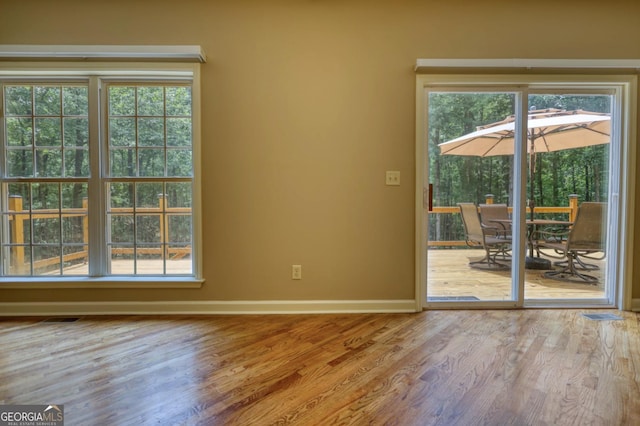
x=602, y=317
x=453, y=298
x=62, y=319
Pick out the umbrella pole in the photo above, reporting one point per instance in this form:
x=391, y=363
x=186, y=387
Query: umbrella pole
x=532, y=171
x=532, y=261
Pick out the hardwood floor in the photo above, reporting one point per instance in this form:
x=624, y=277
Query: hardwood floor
x=526, y=367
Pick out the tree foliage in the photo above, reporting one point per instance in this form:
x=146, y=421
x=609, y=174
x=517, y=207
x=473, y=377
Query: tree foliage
x=581, y=171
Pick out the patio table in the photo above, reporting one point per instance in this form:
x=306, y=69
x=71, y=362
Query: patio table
x=532, y=261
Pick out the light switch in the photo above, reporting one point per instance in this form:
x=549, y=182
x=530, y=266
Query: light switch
x=393, y=177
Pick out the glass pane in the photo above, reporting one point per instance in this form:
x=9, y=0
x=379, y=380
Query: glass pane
x=73, y=230
x=469, y=249
x=20, y=163
x=151, y=162
x=179, y=194
x=179, y=163
x=48, y=162
x=19, y=196
x=150, y=101
x=46, y=230
x=19, y=260
x=74, y=196
x=48, y=100
x=178, y=101
x=149, y=259
x=179, y=260
x=75, y=225
x=19, y=100
x=122, y=100
x=150, y=132
x=568, y=182
x=75, y=101
x=19, y=131
x=122, y=260
x=123, y=162
x=46, y=260
x=75, y=260
x=122, y=132
x=122, y=229
x=26, y=230
x=76, y=163
x=148, y=229
x=179, y=229
x=18, y=219
x=48, y=132
x=121, y=195
x=148, y=194
x=76, y=132
x=45, y=196
x=178, y=132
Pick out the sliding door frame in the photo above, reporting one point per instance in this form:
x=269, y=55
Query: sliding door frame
x=624, y=89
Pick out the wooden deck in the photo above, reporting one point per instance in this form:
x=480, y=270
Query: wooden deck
x=125, y=267
x=449, y=275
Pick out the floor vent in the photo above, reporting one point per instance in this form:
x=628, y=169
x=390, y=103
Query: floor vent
x=602, y=317
x=61, y=319
x=453, y=298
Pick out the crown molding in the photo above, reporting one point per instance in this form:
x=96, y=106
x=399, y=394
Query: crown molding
x=529, y=64
x=173, y=53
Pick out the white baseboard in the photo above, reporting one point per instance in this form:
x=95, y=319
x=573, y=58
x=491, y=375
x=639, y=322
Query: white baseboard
x=635, y=305
x=207, y=308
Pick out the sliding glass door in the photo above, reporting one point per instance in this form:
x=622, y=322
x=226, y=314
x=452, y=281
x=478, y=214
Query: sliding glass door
x=567, y=197
x=520, y=184
x=471, y=173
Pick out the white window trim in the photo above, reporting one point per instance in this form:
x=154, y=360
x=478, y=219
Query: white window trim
x=72, y=70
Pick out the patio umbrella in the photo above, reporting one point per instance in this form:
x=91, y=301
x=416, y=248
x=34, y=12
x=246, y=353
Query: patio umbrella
x=548, y=130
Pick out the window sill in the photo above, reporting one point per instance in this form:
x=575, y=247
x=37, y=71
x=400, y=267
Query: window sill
x=103, y=282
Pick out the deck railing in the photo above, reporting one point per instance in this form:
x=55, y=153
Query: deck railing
x=17, y=216
x=571, y=211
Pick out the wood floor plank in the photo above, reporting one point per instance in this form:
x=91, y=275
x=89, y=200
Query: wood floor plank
x=522, y=367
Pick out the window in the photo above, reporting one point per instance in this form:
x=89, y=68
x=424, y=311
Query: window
x=149, y=190
x=45, y=178
x=98, y=176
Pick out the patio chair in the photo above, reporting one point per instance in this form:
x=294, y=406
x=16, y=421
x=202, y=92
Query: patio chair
x=482, y=236
x=496, y=216
x=497, y=223
x=585, y=239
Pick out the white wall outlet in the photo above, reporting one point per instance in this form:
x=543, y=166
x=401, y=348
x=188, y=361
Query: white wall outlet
x=393, y=177
x=296, y=272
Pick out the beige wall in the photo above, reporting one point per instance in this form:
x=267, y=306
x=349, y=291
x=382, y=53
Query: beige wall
x=306, y=103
